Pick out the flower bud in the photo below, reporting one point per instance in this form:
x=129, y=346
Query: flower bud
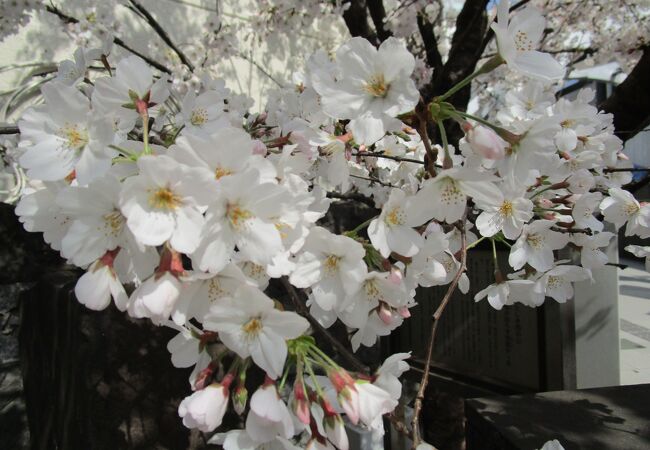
x=385, y=313
x=335, y=430
x=485, y=142
x=395, y=276
x=205, y=409
x=347, y=394
x=259, y=148
x=155, y=298
x=239, y=399
x=203, y=377
x=300, y=402
x=349, y=400
x=404, y=312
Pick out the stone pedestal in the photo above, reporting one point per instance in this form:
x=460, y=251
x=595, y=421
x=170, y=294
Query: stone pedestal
x=613, y=418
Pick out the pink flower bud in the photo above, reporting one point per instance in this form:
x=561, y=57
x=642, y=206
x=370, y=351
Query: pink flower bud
x=300, y=402
x=348, y=398
x=486, y=142
x=335, y=431
x=259, y=148
x=385, y=313
x=395, y=276
x=404, y=312
x=204, y=409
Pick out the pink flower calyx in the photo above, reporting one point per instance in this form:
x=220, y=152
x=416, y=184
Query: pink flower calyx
x=170, y=261
x=109, y=257
x=204, y=376
x=301, y=401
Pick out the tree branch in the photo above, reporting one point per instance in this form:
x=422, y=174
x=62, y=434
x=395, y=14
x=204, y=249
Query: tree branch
x=381, y=155
x=432, y=337
x=434, y=59
x=354, y=197
x=355, y=18
x=630, y=102
x=9, y=129
x=464, y=54
x=378, y=15
x=117, y=41
x=162, y=33
x=301, y=309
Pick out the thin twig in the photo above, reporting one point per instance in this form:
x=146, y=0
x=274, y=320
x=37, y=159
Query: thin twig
x=434, y=326
x=302, y=310
x=372, y=180
x=259, y=67
x=117, y=41
x=423, y=123
x=398, y=424
x=9, y=129
x=162, y=33
x=572, y=230
x=352, y=196
x=627, y=169
x=150, y=61
x=381, y=155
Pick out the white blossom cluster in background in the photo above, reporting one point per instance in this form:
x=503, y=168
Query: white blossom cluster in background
x=184, y=208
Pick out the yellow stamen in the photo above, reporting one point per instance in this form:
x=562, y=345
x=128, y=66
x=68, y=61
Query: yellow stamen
x=377, y=86
x=237, y=215
x=198, y=117
x=113, y=223
x=220, y=172
x=253, y=327
x=165, y=199
x=76, y=137
x=395, y=217
x=331, y=264
x=506, y=208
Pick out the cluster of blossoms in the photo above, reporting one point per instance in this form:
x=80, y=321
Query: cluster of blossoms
x=190, y=211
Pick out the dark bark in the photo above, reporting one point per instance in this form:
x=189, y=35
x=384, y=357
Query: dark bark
x=630, y=102
x=356, y=19
x=378, y=14
x=433, y=57
x=464, y=54
x=25, y=256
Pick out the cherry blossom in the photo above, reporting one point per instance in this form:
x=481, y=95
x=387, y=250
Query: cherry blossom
x=249, y=325
x=165, y=201
x=517, y=39
x=535, y=246
x=373, y=86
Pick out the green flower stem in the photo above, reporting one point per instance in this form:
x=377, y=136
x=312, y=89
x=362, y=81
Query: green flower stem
x=475, y=243
x=145, y=134
x=284, y=377
x=489, y=66
x=318, y=352
x=128, y=154
x=502, y=132
x=447, y=162
x=359, y=227
x=312, y=375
